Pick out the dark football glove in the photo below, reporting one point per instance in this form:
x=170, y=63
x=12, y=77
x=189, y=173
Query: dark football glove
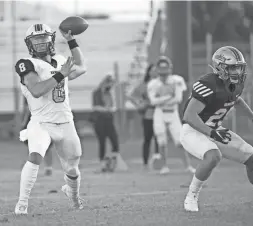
x=222, y=135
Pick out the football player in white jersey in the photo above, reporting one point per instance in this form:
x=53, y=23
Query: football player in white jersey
x=166, y=93
x=44, y=82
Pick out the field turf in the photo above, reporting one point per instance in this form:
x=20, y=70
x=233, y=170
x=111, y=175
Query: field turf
x=134, y=198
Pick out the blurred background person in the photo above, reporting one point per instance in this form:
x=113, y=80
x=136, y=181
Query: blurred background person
x=48, y=159
x=104, y=127
x=166, y=93
x=139, y=98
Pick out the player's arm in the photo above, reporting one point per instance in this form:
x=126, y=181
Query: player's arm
x=31, y=80
x=154, y=99
x=202, y=95
x=242, y=106
x=79, y=66
x=136, y=97
x=191, y=116
x=36, y=87
x=179, y=90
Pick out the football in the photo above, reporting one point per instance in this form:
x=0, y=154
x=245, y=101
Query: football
x=76, y=24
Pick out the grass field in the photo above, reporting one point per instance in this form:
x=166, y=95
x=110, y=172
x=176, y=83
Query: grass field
x=134, y=198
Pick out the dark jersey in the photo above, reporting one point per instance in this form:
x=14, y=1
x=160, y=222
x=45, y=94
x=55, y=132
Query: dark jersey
x=218, y=98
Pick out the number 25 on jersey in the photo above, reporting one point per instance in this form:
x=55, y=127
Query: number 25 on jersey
x=216, y=119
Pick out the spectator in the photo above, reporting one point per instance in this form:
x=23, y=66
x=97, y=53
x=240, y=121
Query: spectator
x=102, y=117
x=140, y=99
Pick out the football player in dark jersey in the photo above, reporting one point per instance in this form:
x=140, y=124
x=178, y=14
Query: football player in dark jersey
x=213, y=95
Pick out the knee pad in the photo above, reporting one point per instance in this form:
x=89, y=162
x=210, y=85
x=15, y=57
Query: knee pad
x=70, y=167
x=162, y=139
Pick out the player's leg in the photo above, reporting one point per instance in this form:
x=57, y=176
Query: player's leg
x=175, y=127
x=38, y=142
x=239, y=151
x=147, y=136
x=117, y=162
x=156, y=144
x=160, y=132
x=69, y=152
x=202, y=148
x=48, y=161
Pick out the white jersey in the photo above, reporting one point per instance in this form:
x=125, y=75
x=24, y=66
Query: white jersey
x=54, y=106
x=174, y=85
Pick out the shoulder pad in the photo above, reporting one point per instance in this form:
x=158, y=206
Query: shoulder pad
x=177, y=78
x=24, y=66
x=209, y=79
x=60, y=58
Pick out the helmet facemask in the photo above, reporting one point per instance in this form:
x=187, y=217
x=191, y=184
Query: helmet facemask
x=234, y=74
x=41, y=45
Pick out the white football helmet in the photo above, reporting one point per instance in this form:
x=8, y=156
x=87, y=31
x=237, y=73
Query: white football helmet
x=40, y=40
x=229, y=63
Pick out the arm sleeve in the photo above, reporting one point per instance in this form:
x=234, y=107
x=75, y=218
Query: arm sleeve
x=202, y=91
x=23, y=67
x=180, y=87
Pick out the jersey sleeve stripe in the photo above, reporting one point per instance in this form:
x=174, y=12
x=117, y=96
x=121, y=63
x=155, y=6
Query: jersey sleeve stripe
x=207, y=94
x=201, y=88
x=195, y=84
x=205, y=90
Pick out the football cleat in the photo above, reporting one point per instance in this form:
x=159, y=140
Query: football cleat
x=75, y=199
x=191, y=202
x=21, y=208
x=157, y=162
x=164, y=170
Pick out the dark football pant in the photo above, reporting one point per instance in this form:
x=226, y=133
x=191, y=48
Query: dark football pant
x=148, y=134
x=105, y=128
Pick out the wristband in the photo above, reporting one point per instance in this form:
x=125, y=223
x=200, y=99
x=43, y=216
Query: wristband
x=58, y=77
x=72, y=44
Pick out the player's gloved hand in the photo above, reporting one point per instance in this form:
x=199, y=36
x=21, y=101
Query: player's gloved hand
x=221, y=135
x=66, y=68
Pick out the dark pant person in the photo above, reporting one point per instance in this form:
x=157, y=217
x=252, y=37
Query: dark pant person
x=105, y=128
x=148, y=134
